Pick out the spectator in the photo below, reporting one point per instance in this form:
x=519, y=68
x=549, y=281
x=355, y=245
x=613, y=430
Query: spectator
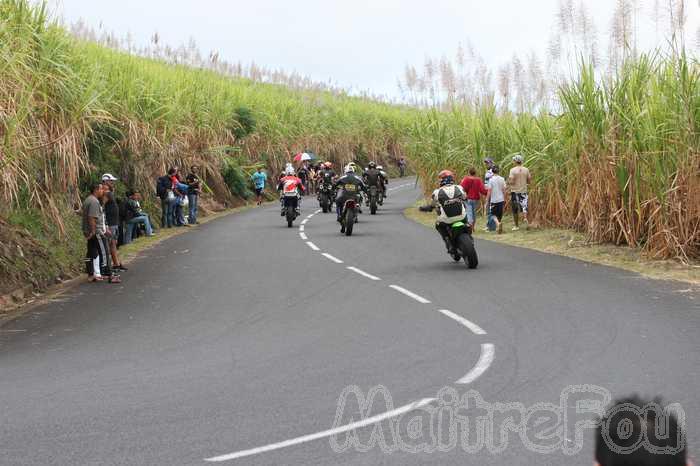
x=195, y=189
x=303, y=175
x=489, y=164
x=135, y=216
x=167, y=198
x=180, y=190
x=259, y=179
x=496, y=197
x=111, y=211
x=474, y=188
x=402, y=167
x=97, y=257
x=518, y=180
x=631, y=426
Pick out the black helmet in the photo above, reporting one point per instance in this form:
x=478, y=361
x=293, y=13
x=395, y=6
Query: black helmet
x=372, y=165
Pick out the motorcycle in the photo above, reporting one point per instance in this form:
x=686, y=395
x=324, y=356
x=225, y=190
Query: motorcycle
x=290, y=209
x=460, y=235
x=374, y=194
x=348, y=217
x=325, y=197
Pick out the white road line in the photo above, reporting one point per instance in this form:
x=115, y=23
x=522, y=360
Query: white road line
x=410, y=294
x=488, y=352
x=301, y=227
x=303, y=222
x=312, y=246
x=318, y=211
x=364, y=274
x=303, y=236
x=326, y=433
x=333, y=258
x=470, y=325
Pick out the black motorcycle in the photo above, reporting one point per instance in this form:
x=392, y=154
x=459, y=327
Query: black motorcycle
x=463, y=244
x=349, y=216
x=325, y=197
x=374, y=194
x=290, y=205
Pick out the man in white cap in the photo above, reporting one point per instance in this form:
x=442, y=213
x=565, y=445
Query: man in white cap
x=111, y=209
x=518, y=181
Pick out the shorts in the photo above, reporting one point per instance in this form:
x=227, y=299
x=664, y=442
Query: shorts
x=258, y=191
x=114, y=229
x=497, y=210
x=518, y=202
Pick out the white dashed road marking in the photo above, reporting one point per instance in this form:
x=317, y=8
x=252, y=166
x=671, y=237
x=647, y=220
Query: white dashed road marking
x=470, y=325
x=410, y=294
x=303, y=236
x=364, y=274
x=488, y=351
x=312, y=246
x=333, y=258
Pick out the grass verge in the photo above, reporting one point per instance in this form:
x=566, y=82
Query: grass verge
x=573, y=244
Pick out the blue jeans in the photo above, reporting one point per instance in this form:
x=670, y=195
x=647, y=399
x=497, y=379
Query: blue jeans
x=193, y=200
x=167, y=207
x=142, y=219
x=178, y=215
x=471, y=210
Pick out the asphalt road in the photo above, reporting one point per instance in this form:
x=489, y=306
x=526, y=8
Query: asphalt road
x=240, y=335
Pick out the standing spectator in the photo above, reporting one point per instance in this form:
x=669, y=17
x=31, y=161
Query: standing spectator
x=111, y=211
x=180, y=191
x=402, y=167
x=636, y=432
x=518, y=181
x=259, y=179
x=195, y=189
x=496, y=197
x=167, y=198
x=489, y=164
x=97, y=259
x=135, y=216
x=474, y=188
x=303, y=175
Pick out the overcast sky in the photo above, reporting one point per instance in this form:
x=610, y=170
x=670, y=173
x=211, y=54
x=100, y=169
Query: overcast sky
x=364, y=44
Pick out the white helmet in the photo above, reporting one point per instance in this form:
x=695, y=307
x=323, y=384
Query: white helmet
x=518, y=158
x=350, y=168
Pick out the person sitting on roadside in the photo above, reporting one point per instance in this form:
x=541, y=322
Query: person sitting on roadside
x=474, y=187
x=635, y=432
x=135, y=216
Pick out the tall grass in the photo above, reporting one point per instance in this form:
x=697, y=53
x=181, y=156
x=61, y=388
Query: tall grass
x=621, y=162
x=66, y=103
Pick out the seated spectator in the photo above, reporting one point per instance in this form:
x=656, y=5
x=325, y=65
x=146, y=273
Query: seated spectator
x=633, y=432
x=135, y=216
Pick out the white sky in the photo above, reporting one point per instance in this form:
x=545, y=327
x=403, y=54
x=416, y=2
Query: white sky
x=364, y=44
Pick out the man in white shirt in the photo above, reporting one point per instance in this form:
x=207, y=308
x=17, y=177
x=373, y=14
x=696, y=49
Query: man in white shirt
x=496, y=197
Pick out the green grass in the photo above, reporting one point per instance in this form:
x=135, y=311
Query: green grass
x=573, y=244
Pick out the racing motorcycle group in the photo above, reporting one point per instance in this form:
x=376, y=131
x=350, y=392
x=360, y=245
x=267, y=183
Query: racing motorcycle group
x=346, y=191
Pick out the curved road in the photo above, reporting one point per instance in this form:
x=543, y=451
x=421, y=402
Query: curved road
x=223, y=343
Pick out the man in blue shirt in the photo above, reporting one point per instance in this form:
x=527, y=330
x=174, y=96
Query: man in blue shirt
x=259, y=178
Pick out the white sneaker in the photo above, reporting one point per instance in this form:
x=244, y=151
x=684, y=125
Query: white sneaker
x=515, y=229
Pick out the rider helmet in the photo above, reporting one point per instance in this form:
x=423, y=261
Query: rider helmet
x=350, y=168
x=372, y=165
x=446, y=177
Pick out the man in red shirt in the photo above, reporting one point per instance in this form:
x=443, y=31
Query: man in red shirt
x=474, y=188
